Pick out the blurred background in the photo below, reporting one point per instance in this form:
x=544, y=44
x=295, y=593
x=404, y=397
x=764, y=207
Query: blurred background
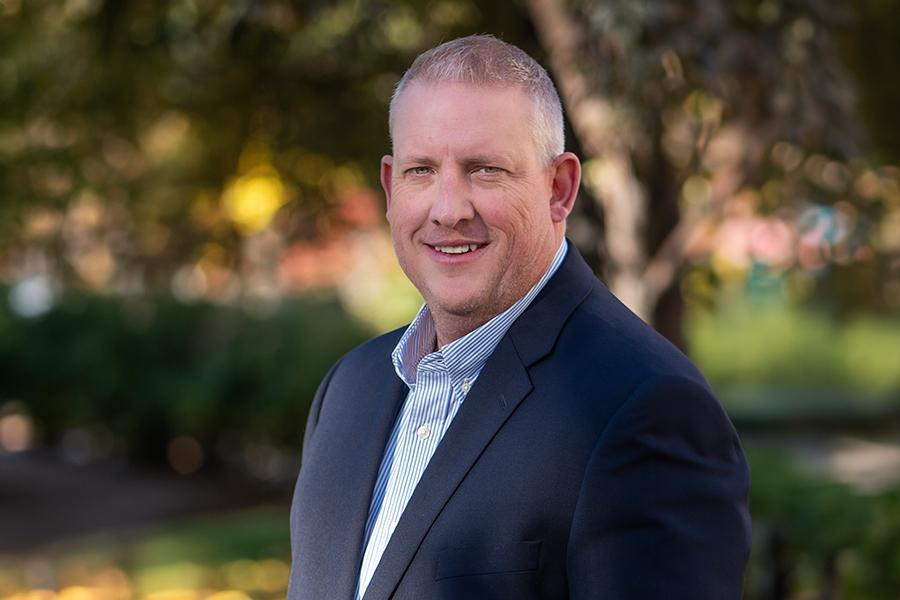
x=191, y=232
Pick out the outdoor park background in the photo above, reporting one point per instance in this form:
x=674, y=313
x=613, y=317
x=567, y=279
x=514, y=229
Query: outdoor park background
x=191, y=232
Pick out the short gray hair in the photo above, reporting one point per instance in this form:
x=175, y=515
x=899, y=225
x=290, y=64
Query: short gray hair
x=485, y=60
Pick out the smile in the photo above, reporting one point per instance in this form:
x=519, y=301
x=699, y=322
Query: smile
x=456, y=249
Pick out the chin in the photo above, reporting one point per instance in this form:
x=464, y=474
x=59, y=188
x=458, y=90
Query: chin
x=456, y=309
x=457, y=306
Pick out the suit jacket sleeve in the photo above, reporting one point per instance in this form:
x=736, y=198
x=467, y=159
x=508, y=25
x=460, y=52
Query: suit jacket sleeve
x=662, y=511
x=316, y=407
x=312, y=421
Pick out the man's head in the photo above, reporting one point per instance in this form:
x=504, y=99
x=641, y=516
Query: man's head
x=485, y=61
x=477, y=190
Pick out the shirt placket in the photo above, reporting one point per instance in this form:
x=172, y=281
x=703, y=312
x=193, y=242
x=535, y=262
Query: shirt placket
x=425, y=420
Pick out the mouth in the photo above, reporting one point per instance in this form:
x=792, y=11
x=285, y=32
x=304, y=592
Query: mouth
x=457, y=249
x=456, y=252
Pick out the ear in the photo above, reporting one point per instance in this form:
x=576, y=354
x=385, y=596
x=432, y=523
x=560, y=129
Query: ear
x=566, y=173
x=387, y=169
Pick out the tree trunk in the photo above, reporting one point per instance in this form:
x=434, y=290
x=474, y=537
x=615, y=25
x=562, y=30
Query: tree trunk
x=647, y=236
x=610, y=169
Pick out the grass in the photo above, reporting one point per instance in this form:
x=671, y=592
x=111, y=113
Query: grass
x=225, y=557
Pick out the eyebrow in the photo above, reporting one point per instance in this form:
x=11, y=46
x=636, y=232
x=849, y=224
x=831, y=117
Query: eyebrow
x=417, y=160
x=474, y=159
x=481, y=159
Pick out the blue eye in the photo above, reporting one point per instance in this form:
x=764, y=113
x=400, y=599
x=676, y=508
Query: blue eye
x=419, y=171
x=488, y=170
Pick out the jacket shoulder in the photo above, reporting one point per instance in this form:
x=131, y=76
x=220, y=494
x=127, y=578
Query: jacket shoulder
x=606, y=334
x=374, y=352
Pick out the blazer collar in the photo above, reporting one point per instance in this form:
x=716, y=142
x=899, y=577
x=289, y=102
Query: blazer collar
x=497, y=393
x=535, y=332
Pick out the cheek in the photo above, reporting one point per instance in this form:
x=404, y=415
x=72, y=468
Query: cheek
x=403, y=214
x=514, y=216
x=520, y=204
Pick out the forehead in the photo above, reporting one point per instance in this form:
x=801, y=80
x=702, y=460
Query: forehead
x=462, y=116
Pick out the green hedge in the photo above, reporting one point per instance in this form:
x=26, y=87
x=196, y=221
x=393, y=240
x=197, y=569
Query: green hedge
x=152, y=368
x=817, y=538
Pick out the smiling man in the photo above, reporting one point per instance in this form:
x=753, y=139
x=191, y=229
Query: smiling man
x=526, y=436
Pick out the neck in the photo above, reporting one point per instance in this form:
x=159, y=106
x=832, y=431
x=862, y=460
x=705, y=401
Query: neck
x=450, y=328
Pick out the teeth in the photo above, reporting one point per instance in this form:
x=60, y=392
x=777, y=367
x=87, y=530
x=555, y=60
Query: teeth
x=456, y=249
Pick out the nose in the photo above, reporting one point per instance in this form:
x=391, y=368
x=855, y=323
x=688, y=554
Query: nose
x=452, y=203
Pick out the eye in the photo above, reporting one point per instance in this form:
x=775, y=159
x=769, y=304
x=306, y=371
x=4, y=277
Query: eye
x=419, y=171
x=488, y=170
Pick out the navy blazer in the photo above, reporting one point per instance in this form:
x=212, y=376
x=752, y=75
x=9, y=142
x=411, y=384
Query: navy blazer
x=589, y=460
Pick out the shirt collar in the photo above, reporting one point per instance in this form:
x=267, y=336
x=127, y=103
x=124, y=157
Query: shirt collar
x=465, y=357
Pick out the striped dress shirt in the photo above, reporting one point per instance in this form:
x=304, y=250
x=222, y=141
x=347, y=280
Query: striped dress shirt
x=438, y=382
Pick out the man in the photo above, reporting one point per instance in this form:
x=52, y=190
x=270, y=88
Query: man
x=526, y=436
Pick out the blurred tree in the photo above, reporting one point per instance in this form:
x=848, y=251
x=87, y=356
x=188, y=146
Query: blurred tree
x=871, y=44
x=149, y=144
x=698, y=115
x=138, y=136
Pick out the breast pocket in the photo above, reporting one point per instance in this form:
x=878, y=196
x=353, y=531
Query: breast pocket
x=509, y=561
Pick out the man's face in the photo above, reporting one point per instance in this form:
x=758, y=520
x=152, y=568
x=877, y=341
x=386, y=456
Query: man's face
x=470, y=200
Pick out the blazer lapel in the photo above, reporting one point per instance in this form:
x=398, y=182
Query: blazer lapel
x=496, y=394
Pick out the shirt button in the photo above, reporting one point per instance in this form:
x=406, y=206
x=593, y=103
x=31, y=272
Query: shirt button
x=423, y=432
x=466, y=385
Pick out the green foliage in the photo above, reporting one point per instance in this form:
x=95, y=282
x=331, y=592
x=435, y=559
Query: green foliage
x=773, y=359
x=815, y=514
x=149, y=110
x=253, y=534
x=828, y=535
x=876, y=568
x=148, y=370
